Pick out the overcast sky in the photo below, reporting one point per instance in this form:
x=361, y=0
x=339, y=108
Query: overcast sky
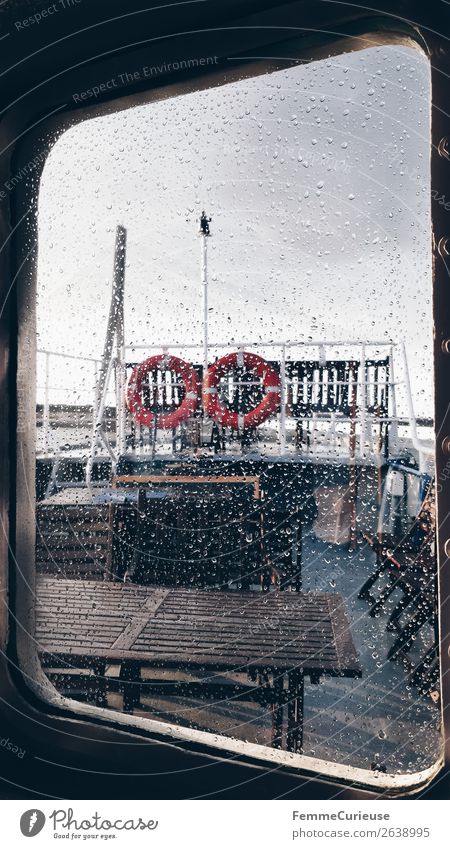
x=317, y=181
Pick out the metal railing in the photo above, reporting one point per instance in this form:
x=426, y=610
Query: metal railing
x=55, y=397
x=305, y=427
x=324, y=427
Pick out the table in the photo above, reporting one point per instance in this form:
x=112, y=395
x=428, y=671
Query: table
x=191, y=530
x=276, y=638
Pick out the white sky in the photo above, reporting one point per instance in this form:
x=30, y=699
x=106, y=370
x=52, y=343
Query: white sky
x=317, y=179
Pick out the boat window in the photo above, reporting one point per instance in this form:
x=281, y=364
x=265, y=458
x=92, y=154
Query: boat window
x=235, y=515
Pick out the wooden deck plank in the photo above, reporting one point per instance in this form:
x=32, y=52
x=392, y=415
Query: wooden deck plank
x=130, y=634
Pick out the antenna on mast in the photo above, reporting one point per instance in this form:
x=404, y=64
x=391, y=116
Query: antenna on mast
x=205, y=232
x=204, y=224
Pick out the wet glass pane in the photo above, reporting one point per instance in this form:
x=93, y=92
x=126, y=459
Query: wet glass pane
x=235, y=494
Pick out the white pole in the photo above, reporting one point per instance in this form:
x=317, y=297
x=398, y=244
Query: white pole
x=283, y=400
x=120, y=404
x=205, y=301
x=120, y=382
x=393, y=428
x=114, y=331
x=46, y=416
x=362, y=403
x=98, y=423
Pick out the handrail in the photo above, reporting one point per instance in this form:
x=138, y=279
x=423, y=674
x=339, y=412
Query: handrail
x=67, y=356
x=48, y=354
x=259, y=344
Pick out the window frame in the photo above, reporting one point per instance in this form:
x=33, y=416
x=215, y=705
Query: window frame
x=26, y=677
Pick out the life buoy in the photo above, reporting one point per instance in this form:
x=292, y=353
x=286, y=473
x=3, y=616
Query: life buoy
x=134, y=392
x=269, y=404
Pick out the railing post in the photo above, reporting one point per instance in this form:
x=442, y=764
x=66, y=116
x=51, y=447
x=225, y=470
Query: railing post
x=120, y=404
x=283, y=401
x=46, y=411
x=204, y=269
x=362, y=402
x=393, y=426
x=98, y=422
x=95, y=397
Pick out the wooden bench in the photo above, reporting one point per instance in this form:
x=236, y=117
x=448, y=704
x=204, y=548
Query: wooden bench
x=275, y=639
x=73, y=540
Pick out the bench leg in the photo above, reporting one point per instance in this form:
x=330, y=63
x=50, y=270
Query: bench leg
x=295, y=712
x=296, y=558
x=99, y=670
x=130, y=674
x=277, y=712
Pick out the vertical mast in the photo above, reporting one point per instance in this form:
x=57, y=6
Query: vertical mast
x=114, y=333
x=119, y=285
x=114, y=328
x=205, y=233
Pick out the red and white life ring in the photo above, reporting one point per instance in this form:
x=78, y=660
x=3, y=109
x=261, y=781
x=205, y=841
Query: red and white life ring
x=266, y=408
x=168, y=421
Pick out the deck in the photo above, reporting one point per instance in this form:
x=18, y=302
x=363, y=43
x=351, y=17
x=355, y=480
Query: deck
x=377, y=721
